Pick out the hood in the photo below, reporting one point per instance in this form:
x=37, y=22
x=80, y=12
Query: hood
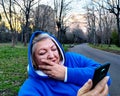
x=31, y=70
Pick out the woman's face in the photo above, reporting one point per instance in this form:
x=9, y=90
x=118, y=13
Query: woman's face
x=46, y=49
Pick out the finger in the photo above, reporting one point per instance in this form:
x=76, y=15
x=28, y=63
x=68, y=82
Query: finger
x=100, y=86
x=105, y=91
x=47, y=72
x=47, y=62
x=44, y=67
x=86, y=87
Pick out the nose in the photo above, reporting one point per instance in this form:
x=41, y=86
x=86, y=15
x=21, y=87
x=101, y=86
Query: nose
x=50, y=55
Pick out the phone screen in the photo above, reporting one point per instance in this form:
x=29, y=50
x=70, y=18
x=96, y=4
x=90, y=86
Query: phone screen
x=100, y=73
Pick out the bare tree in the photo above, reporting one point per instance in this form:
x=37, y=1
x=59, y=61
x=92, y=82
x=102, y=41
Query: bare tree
x=61, y=8
x=101, y=20
x=107, y=23
x=44, y=18
x=113, y=6
x=100, y=27
x=26, y=8
x=88, y=25
x=91, y=18
x=104, y=24
x=9, y=11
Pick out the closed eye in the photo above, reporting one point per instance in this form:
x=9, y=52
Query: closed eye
x=42, y=52
x=54, y=49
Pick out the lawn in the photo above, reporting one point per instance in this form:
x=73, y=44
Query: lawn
x=112, y=48
x=13, y=63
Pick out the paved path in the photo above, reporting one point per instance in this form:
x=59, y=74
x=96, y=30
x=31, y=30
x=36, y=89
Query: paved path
x=102, y=57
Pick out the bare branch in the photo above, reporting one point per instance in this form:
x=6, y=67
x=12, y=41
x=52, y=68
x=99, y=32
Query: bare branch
x=5, y=11
x=17, y=3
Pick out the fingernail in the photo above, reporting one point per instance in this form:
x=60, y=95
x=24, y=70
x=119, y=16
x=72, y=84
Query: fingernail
x=89, y=81
x=107, y=77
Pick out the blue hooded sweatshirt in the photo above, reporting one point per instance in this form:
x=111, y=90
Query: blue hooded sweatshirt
x=79, y=70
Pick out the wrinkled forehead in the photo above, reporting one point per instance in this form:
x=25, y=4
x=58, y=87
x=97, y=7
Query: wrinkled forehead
x=45, y=43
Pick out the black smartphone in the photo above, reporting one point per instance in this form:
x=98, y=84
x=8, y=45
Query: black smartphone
x=100, y=73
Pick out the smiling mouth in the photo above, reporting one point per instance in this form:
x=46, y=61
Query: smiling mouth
x=53, y=60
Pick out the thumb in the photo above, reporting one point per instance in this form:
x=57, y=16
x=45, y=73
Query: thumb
x=85, y=88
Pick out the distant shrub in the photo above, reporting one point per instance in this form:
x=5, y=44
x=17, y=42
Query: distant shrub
x=5, y=37
x=114, y=38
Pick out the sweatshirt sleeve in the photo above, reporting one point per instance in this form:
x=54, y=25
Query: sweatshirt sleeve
x=79, y=68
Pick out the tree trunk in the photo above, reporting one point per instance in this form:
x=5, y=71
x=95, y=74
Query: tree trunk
x=118, y=26
x=13, y=39
x=25, y=39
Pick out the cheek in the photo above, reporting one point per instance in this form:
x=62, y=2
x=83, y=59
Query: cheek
x=58, y=56
x=38, y=59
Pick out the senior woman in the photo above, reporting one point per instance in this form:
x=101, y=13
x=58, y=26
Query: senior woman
x=53, y=72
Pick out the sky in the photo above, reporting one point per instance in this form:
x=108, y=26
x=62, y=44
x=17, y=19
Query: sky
x=77, y=5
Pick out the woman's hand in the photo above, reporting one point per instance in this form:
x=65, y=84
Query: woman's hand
x=101, y=88
x=56, y=71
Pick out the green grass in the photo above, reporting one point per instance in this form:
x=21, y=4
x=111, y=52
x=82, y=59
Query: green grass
x=13, y=63
x=112, y=48
x=66, y=46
